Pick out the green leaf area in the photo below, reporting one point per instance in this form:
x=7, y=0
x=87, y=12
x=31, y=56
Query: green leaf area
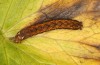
x=11, y=11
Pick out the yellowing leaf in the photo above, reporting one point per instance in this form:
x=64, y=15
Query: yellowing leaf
x=56, y=47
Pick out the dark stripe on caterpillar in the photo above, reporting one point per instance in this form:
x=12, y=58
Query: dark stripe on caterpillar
x=46, y=26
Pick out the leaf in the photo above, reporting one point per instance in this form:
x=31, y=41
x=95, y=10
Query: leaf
x=57, y=47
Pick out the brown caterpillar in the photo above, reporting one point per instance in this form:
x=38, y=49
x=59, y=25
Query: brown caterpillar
x=46, y=26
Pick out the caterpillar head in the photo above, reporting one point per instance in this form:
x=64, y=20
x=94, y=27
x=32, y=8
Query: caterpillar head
x=18, y=38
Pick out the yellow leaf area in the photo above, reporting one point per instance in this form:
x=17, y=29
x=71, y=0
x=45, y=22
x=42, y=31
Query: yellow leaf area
x=55, y=47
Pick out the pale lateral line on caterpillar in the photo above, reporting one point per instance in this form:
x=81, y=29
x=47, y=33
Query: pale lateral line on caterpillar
x=46, y=26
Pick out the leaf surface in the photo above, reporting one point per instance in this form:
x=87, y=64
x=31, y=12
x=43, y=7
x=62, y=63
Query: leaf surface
x=56, y=47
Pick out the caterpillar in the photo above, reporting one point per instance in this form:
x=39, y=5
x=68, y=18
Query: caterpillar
x=31, y=30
